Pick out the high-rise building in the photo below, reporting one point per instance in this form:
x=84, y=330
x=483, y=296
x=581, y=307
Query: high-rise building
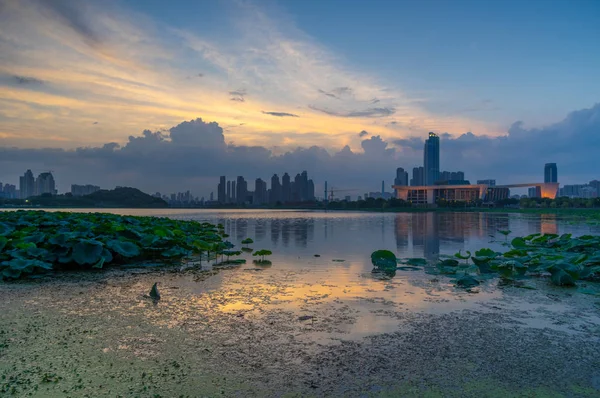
x=241, y=190
x=431, y=157
x=27, y=185
x=275, y=190
x=286, y=188
x=418, y=176
x=260, y=192
x=228, y=193
x=303, y=186
x=233, y=192
x=221, y=190
x=297, y=188
x=311, y=190
x=550, y=172
x=534, y=192
x=401, y=177
x=45, y=184
x=596, y=185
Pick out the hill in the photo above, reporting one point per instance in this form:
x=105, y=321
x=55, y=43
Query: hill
x=123, y=197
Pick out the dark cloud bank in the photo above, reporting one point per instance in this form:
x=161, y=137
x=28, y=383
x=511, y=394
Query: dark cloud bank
x=194, y=153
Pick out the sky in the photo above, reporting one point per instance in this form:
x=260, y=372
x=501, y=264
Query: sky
x=167, y=96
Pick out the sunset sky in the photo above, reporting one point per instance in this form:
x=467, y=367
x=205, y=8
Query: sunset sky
x=279, y=75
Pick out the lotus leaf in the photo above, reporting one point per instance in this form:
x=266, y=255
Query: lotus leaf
x=467, y=281
x=125, y=249
x=384, y=259
x=561, y=278
x=87, y=251
x=416, y=261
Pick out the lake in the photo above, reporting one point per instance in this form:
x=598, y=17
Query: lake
x=317, y=321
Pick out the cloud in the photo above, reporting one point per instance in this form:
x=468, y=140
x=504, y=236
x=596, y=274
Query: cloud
x=27, y=80
x=362, y=133
x=72, y=15
x=341, y=91
x=95, y=123
x=328, y=94
x=280, y=114
x=367, y=113
x=193, y=154
x=238, y=95
x=238, y=99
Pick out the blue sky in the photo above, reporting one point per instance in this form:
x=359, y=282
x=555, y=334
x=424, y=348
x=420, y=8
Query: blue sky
x=299, y=80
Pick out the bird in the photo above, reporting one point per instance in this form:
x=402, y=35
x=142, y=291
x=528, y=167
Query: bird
x=154, y=294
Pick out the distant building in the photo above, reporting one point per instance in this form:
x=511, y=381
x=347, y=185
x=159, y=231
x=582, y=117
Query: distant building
x=221, y=190
x=401, y=177
x=596, y=185
x=260, y=192
x=550, y=172
x=451, y=176
x=228, y=193
x=8, y=191
x=45, y=184
x=418, y=176
x=233, y=192
x=347, y=198
x=27, y=185
x=534, y=192
x=491, y=183
x=431, y=159
x=82, y=190
x=286, y=188
x=275, y=192
x=241, y=190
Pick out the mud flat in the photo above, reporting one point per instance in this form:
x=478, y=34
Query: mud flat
x=284, y=332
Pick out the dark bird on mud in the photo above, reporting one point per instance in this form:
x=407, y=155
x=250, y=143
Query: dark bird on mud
x=154, y=294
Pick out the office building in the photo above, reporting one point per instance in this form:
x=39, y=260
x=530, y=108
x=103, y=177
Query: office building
x=418, y=176
x=534, y=192
x=233, y=192
x=401, y=177
x=241, y=190
x=431, y=159
x=550, y=172
x=228, y=193
x=221, y=189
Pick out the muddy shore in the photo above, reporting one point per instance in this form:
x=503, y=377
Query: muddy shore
x=269, y=332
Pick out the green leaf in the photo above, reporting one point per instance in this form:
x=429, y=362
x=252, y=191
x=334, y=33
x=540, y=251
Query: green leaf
x=450, y=262
x=486, y=253
x=519, y=243
x=175, y=251
x=87, y=251
x=99, y=264
x=467, y=281
x=3, y=243
x=384, y=259
x=5, y=229
x=247, y=241
x=462, y=256
x=561, y=278
x=505, y=232
x=35, y=238
x=125, y=249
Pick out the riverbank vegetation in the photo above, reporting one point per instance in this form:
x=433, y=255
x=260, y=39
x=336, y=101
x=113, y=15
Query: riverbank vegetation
x=35, y=242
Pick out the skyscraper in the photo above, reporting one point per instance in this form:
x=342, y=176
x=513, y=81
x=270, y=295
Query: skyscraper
x=221, y=190
x=27, y=185
x=418, y=176
x=228, y=193
x=260, y=192
x=286, y=188
x=311, y=190
x=431, y=157
x=401, y=177
x=233, y=192
x=550, y=172
x=303, y=186
x=242, y=190
x=275, y=190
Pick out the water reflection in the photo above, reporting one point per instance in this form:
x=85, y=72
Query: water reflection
x=355, y=235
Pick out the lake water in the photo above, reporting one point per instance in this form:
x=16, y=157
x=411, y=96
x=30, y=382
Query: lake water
x=319, y=292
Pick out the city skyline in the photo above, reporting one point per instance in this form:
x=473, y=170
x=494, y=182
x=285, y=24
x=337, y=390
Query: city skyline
x=113, y=96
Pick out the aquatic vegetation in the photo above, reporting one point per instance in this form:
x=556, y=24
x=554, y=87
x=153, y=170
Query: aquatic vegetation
x=247, y=241
x=262, y=253
x=384, y=259
x=39, y=242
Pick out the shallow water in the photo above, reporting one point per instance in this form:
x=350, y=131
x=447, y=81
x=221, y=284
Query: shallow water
x=282, y=318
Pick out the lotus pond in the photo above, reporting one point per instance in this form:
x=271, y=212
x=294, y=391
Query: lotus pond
x=294, y=306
